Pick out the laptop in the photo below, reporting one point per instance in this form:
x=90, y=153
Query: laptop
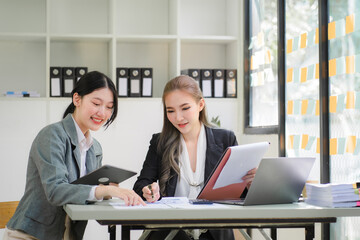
x=277, y=180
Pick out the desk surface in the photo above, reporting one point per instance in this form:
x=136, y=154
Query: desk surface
x=278, y=211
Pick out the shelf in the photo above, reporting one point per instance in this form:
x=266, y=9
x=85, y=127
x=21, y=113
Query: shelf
x=166, y=35
x=30, y=17
x=81, y=37
x=209, y=55
x=156, y=55
x=146, y=38
x=209, y=39
x=79, y=16
x=35, y=37
x=91, y=54
x=22, y=66
x=209, y=17
x=143, y=17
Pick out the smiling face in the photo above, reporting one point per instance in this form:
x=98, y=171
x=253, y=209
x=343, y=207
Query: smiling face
x=183, y=110
x=94, y=109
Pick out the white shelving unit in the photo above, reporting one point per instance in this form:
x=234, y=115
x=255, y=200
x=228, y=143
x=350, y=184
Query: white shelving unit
x=167, y=35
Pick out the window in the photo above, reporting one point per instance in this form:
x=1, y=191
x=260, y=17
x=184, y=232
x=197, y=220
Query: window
x=344, y=102
x=312, y=65
x=302, y=112
x=261, y=70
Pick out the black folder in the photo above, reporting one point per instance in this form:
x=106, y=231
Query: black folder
x=122, y=81
x=105, y=174
x=219, y=83
x=231, y=83
x=146, y=82
x=135, y=82
x=79, y=72
x=68, y=82
x=55, y=81
x=207, y=82
x=194, y=73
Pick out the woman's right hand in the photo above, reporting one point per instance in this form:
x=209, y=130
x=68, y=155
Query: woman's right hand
x=151, y=192
x=129, y=196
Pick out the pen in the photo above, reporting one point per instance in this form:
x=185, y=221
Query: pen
x=152, y=193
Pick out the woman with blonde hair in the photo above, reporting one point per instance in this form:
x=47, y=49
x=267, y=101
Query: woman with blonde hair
x=184, y=154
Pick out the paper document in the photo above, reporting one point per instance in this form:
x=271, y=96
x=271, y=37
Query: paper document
x=166, y=202
x=239, y=163
x=183, y=203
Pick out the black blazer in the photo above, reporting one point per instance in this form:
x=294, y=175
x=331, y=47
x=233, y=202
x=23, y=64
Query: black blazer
x=217, y=140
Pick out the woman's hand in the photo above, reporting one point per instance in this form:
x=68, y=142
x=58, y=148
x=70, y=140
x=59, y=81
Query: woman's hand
x=129, y=196
x=111, y=184
x=151, y=192
x=249, y=177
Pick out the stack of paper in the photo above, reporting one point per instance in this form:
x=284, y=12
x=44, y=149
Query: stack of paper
x=335, y=195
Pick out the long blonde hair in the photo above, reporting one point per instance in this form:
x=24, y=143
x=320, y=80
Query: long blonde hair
x=169, y=143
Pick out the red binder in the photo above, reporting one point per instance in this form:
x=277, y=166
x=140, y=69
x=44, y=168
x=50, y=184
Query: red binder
x=231, y=191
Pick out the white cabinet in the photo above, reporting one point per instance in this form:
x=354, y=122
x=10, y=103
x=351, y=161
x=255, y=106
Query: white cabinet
x=167, y=35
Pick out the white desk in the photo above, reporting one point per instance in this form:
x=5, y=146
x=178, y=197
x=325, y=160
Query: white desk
x=264, y=216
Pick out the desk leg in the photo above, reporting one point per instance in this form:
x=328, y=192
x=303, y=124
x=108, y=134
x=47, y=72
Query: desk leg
x=125, y=233
x=310, y=232
x=273, y=233
x=112, y=232
x=325, y=231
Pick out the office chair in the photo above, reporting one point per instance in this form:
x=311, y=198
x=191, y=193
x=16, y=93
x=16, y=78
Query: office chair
x=7, y=210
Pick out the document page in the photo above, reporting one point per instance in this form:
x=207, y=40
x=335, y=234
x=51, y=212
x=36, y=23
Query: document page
x=242, y=159
x=166, y=202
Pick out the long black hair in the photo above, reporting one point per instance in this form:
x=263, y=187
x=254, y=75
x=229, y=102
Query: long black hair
x=87, y=84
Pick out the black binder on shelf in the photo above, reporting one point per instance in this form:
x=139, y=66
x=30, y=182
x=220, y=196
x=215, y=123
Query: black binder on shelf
x=122, y=81
x=206, y=79
x=79, y=72
x=146, y=82
x=55, y=81
x=135, y=82
x=105, y=174
x=194, y=73
x=219, y=83
x=68, y=81
x=231, y=83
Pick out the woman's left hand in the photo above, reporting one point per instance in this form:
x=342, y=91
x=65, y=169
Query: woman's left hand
x=249, y=177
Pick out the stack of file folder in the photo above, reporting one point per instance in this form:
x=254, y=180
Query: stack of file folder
x=337, y=195
x=215, y=83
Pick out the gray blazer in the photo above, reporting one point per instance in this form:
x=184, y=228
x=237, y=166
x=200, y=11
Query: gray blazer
x=54, y=162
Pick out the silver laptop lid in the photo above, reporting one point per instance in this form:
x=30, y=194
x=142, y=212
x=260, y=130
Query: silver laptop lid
x=279, y=180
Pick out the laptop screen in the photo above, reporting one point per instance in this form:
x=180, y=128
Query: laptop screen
x=279, y=180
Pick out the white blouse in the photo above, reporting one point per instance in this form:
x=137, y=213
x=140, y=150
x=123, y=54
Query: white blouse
x=190, y=183
x=85, y=143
